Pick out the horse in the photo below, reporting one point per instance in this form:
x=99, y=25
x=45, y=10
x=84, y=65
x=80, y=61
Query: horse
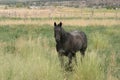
x=68, y=43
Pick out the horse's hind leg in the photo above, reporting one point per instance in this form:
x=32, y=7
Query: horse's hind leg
x=82, y=52
x=70, y=58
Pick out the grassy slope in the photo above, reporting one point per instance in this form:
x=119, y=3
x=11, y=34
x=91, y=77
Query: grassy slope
x=28, y=53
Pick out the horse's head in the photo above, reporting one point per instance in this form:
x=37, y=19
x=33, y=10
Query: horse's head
x=57, y=31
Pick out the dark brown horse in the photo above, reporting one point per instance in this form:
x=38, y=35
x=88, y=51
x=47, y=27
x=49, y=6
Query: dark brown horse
x=68, y=43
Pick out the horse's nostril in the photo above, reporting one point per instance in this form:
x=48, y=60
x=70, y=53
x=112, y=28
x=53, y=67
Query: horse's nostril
x=57, y=38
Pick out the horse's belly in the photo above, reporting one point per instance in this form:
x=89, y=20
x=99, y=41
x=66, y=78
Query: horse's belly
x=72, y=47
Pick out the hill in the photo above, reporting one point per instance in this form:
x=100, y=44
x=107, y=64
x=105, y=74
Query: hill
x=77, y=3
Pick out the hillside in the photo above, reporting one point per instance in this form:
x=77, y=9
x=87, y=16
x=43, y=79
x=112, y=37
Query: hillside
x=77, y=3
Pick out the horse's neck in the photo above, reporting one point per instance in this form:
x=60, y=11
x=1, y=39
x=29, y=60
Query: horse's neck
x=64, y=36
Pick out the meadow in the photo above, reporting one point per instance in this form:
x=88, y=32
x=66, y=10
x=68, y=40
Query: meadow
x=27, y=45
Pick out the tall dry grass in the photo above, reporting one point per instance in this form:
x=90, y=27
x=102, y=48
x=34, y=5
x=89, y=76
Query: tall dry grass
x=59, y=12
x=26, y=55
x=71, y=16
x=35, y=59
x=74, y=22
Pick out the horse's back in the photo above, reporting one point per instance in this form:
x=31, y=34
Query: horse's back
x=80, y=34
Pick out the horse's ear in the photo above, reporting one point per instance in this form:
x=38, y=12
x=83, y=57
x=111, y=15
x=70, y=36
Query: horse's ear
x=60, y=24
x=55, y=24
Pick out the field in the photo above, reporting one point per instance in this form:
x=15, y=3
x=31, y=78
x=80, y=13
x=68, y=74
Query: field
x=27, y=45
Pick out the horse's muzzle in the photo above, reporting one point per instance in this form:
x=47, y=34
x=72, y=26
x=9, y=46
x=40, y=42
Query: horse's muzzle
x=57, y=39
x=61, y=51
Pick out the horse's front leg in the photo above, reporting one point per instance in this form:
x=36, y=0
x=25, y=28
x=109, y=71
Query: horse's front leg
x=68, y=67
x=61, y=58
x=75, y=59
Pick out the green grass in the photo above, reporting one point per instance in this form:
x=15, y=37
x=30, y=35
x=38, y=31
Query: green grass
x=28, y=53
x=57, y=18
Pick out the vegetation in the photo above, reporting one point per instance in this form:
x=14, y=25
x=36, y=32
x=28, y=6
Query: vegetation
x=110, y=4
x=27, y=45
x=29, y=53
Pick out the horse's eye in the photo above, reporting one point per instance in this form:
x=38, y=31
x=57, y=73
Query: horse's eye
x=57, y=30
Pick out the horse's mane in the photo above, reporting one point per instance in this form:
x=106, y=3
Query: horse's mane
x=64, y=35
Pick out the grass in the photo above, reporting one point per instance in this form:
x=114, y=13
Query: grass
x=27, y=52
x=71, y=22
x=70, y=16
x=90, y=69
x=27, y=45
x=29, y=61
